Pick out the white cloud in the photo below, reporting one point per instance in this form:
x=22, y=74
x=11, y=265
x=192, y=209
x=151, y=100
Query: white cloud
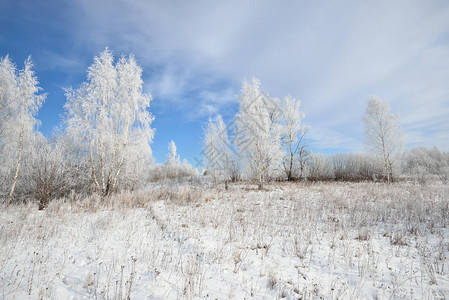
x=325, y=137
x=331, y=55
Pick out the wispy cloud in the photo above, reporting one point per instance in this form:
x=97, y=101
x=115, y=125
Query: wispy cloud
x=332, y=55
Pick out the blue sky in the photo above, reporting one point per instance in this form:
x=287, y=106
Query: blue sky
x=333, y=55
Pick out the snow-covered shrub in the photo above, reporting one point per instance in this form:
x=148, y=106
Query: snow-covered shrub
x=319, y=168
x=173, y=169
x=422, y=164
x=356, y=166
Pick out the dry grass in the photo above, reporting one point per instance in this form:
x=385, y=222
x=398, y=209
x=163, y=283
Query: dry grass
x=293, y=240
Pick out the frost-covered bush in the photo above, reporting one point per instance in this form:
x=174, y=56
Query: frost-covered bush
x=184, y=170
x=319, y=167
x=173, y=169
x=422, y=164
x=356, y=166
x=345, y=167
x=56, y=172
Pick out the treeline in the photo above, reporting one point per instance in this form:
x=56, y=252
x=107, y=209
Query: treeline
x=418, y=164
x=103, y=144
x=267, y=141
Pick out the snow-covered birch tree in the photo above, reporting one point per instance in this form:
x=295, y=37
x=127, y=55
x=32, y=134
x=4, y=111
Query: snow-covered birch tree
x=217, y=150
x=8, y=85
x=173, y=161
x=258, y=132
x=20, y=103
x=293, y=133
x=108, y=115
x=8, y=102
x=224, y=148
x=383, y=133
x=210, y=148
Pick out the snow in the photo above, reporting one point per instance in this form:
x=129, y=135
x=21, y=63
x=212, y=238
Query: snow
x=330, y=240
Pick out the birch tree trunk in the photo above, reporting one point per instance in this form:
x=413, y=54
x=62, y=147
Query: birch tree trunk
x=91, y=155
x=102, y=164
x=2, y=96
x=259, y=165
x=125, y=143
x=19, y=159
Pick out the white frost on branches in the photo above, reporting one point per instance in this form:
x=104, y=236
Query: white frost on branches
x=108, y=116
x=383, y=133
x=19, y=103
x=293, y=133
x=258, y=132
x=217, y=150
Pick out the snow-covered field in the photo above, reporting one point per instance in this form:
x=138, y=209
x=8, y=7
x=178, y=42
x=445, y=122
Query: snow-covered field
x=329, y=240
